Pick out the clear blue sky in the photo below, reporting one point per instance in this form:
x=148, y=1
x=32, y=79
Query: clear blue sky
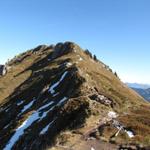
x=117, y=31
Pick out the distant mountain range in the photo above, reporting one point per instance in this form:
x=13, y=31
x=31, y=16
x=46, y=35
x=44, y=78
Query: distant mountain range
x=143, y=92
x=142, y=89
x=138, y=85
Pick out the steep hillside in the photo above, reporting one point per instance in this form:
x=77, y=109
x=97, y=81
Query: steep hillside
x=60, y=97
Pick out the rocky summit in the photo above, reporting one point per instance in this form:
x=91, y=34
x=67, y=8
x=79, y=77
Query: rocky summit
x=61, y=97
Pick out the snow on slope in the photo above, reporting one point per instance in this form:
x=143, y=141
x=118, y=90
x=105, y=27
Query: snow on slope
x=26, y=107
x=52, y=88
x=44, y=130
x=35, y=116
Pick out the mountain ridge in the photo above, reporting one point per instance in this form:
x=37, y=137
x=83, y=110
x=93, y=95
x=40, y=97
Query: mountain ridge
x=55, y=92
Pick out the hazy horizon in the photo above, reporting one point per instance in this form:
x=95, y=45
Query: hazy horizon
x=116, y=31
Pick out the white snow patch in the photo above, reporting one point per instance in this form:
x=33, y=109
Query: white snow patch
x=80, y=59
x=121, y=127
x=69, y=64
x=54, y=95
x=112, y=115
x=49, y=59
x=20, y=130
x=7, y=110
x=6, y=126
x=26, y=107
x=130, y=133
x=44, y=130
x=46, y=105
x=19, y=103
x=62, y=101
x=51, y=89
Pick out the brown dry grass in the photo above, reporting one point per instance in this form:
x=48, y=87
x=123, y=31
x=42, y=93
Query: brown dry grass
x=125, y=99
x=139, y=121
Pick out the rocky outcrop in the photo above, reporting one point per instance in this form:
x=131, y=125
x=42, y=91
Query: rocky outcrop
x=101, y=99
x=62, y=49
x=88, y=53
x=3, y=70
x=42, y=48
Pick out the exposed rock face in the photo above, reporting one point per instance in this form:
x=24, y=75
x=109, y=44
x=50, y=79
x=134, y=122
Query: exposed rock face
x=40, y=47
x=62, y=49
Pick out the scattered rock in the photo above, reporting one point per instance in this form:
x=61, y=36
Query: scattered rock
x=101, y=98
x=112, y=115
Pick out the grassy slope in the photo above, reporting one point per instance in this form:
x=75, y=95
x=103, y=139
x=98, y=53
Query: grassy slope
x=126, y=100
x=95, y=73
x=15, y=77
